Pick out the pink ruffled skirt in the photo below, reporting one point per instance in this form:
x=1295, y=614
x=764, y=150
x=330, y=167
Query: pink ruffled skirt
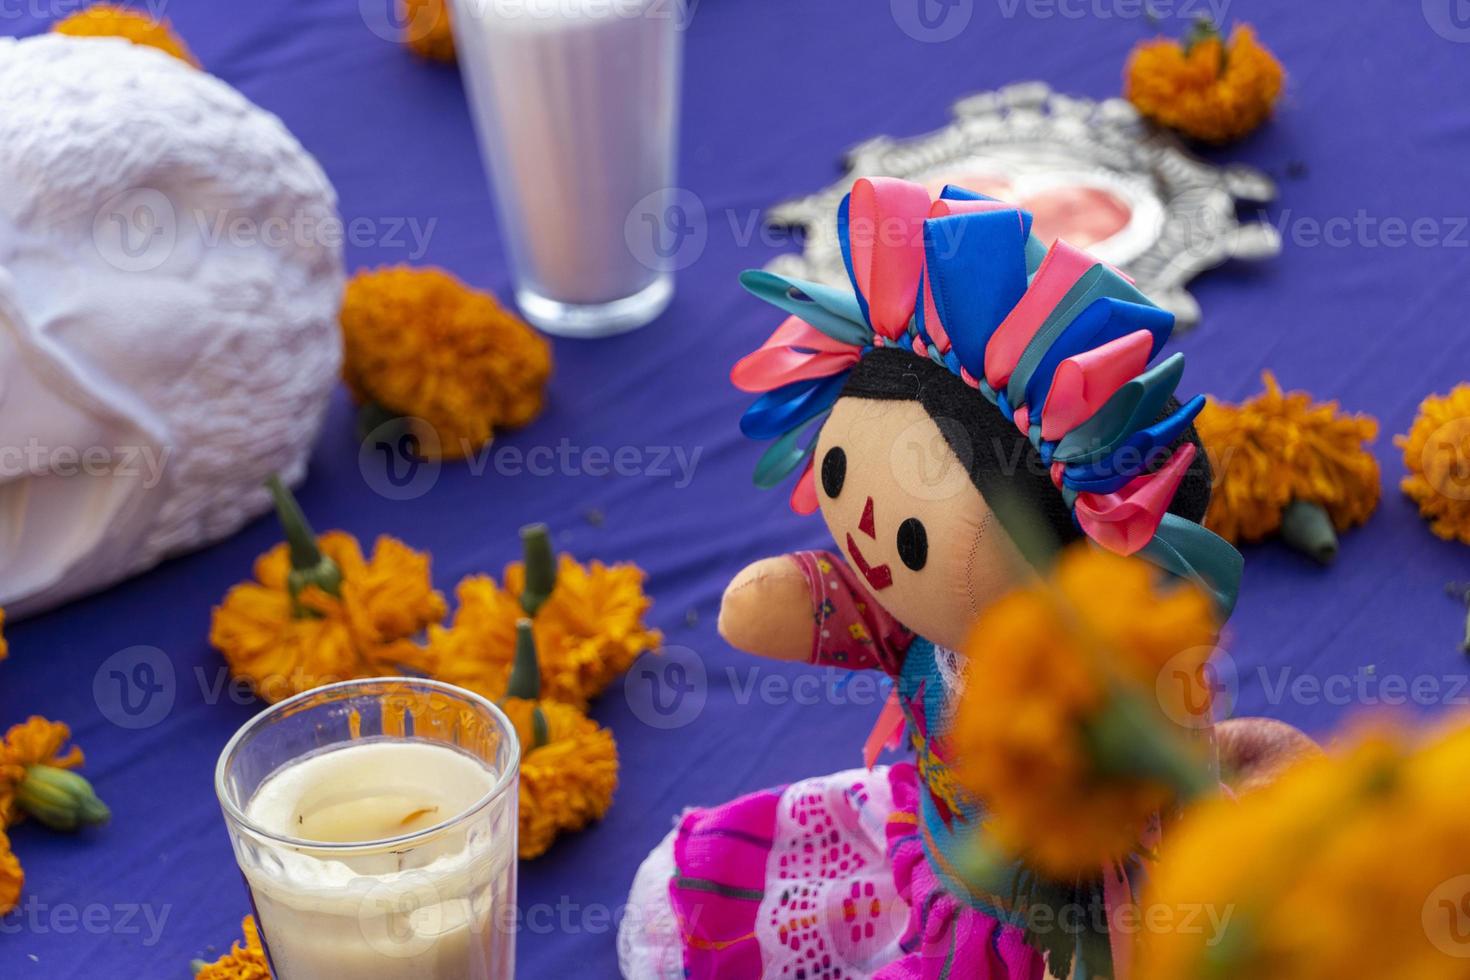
x=824, y=879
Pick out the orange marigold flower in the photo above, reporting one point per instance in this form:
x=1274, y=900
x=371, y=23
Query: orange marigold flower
x=587, y=634
x=1277, y=449
x=1349, y=867
x=566, y=783
x=12, y=876
x=421, y=344
x=1437, y=456
x=244, y=961
x=1203, y=87
x=427, y=30
x=36, y=741
x=1053, y=657
x=110, y=20
x=367, y=631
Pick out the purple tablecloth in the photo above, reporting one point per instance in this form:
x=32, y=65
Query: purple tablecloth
x=1372, y=130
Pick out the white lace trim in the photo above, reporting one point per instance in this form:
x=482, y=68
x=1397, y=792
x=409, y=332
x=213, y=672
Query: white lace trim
x=649, y=945
x=953, y=668
x=830, y=910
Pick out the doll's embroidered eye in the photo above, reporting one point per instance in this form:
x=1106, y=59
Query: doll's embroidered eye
x=834, y=471
x=913, y=543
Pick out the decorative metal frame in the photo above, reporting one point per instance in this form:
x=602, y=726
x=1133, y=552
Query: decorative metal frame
x=1183, y=210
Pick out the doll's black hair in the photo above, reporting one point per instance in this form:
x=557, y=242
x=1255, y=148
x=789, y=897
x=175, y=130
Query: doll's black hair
x=1002, y=463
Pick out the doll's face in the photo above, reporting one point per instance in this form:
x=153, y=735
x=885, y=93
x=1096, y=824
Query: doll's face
x=900, y=505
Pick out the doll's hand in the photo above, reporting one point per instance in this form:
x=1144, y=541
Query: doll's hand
x=810, y=607
x=767, y=610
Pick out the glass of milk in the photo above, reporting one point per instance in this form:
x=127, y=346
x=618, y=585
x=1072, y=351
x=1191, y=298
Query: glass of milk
x=576, y=103
x=375, y=824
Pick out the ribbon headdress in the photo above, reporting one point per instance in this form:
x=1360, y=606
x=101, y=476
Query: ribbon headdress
x=1059, y=342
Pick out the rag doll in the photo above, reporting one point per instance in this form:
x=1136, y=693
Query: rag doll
x=975, y=394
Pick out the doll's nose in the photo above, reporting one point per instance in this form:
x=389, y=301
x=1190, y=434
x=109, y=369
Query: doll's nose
x=866, y=524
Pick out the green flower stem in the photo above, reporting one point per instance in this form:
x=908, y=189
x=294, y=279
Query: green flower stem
x=540, y=567
x=1307, y=527
x=309, y=565
x=1127, y=739
x=60, y=798
x=525, y=681
x=986, y=867
x=1203, y=29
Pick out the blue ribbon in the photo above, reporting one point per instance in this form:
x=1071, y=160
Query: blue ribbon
x=1096, y=283
x=977, y=273
x=787, y=407
x=1137, y=453
x=1104, y=321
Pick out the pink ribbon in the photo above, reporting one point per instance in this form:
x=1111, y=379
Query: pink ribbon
x=804, y=494
x=1117, y=896
x=1083, y=383
x=1059, y=272
x=797, y=351
x=885, y=226
x=1125, y=521
x=887, y=730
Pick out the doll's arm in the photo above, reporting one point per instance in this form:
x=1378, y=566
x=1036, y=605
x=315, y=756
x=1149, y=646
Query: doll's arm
x=810, y=607
x=767, y=610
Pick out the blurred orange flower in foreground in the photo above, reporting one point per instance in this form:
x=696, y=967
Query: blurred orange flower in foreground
x=1347, y=868
x=1063, y=663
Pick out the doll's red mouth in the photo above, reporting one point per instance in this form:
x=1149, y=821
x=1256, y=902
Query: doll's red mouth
x=880, y=577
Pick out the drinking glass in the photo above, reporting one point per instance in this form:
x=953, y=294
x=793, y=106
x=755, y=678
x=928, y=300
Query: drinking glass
x=433, y=903
x=575, y=103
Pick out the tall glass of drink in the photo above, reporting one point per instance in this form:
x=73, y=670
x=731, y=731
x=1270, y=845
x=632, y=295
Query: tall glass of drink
x=575, y=103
